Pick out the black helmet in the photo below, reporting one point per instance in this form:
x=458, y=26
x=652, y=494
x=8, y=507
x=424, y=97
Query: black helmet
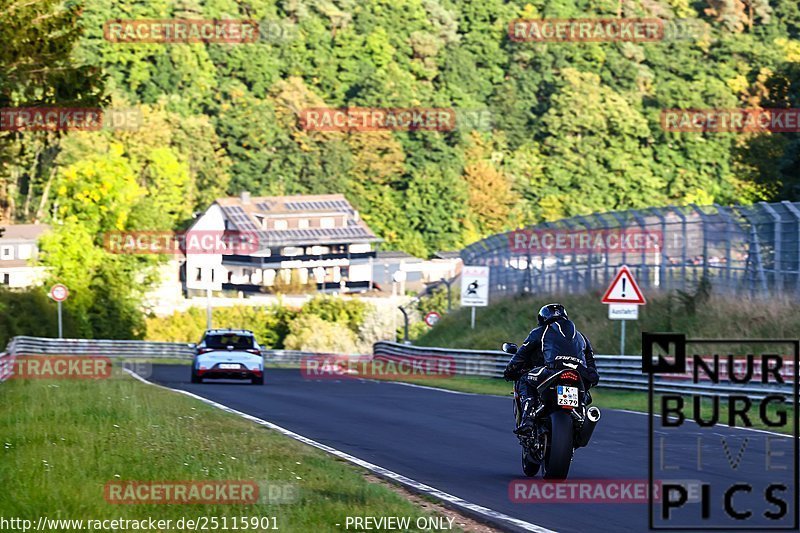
x=551, y=312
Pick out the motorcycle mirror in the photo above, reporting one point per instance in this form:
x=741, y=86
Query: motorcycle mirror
x=510, y=348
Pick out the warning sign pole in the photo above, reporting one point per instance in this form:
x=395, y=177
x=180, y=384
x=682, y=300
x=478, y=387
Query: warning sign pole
x=622, y=338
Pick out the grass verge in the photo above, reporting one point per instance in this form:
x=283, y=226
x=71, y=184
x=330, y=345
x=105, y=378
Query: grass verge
x=62, y=441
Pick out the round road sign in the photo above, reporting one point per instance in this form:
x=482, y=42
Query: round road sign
x=432, y=318
x=59, y=292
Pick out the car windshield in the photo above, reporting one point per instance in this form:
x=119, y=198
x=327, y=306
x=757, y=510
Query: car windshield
x=221, y=342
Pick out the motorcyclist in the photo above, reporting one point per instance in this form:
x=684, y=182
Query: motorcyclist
x=555, y=336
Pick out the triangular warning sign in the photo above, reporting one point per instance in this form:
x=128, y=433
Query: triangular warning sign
x=624, y=289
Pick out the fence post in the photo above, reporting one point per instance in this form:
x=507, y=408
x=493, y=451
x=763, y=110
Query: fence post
x=705, y=224
x=723, y=211
x=588, y=279
x=777, y=259
x=685, y=237
x=796, y=213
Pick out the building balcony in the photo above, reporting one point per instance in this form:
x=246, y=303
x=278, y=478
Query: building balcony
x=249, y=288
x=274, y=261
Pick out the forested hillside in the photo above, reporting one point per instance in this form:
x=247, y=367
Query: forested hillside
x=572, y=127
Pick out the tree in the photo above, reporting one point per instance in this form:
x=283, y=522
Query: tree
x=38, y=70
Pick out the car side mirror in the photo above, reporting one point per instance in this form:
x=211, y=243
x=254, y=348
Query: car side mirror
x=510, y=348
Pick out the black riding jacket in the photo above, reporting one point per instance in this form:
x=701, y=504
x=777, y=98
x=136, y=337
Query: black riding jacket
x=545, y=343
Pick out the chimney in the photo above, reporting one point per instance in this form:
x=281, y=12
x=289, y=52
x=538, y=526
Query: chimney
x=245, y=196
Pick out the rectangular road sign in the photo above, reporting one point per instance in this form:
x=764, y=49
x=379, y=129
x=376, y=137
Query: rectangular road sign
x=475, y=286
x=623, y=312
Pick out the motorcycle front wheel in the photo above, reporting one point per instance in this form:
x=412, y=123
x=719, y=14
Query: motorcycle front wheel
x=558, y=454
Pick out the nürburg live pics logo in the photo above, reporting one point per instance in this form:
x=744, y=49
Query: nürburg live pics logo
x=722, y=413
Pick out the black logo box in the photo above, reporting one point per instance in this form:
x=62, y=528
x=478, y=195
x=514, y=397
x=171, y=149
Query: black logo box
x=678, y=366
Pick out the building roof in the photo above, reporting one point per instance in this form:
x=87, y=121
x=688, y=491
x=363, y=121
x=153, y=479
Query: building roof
x=396, y=255
x=240, y=212
x=447, y=255
x=22, y=232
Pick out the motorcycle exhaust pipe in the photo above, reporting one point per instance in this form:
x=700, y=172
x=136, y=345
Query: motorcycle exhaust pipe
x=589, y=423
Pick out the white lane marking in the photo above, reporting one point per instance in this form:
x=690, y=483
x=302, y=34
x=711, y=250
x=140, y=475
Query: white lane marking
x=383, y=472
x=437, y=389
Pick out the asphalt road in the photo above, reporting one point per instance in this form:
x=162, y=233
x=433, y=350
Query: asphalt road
x=462, y=444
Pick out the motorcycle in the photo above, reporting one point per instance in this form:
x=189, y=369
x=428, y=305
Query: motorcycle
x=562, y=418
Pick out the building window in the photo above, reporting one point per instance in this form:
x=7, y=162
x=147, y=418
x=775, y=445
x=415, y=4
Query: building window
x=327, y=223
x=7, y=252
x=281, y=224
x=6, y=279
x=198, y=274
x=302, y=223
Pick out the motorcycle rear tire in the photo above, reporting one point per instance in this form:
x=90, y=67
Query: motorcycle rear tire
x=559, y=451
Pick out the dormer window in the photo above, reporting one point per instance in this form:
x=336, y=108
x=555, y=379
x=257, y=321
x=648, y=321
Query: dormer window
x=302, y=223
x=281, y=224
x=327, y=223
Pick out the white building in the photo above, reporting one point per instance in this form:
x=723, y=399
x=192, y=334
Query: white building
x=318, y=242
x=18, y=250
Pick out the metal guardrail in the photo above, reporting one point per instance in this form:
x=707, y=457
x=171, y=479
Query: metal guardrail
x=616, y=371
x=6, y=366
x=24, y=345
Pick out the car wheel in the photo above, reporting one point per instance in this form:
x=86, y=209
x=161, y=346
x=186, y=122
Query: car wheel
x=258, y=381
x=195, y=377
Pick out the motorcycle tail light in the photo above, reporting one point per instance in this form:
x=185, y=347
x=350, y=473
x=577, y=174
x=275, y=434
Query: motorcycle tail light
x=570, y=376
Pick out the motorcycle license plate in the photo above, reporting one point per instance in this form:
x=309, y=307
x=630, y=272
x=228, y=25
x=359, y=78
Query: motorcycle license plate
x=229, y=366
x=567, y=395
